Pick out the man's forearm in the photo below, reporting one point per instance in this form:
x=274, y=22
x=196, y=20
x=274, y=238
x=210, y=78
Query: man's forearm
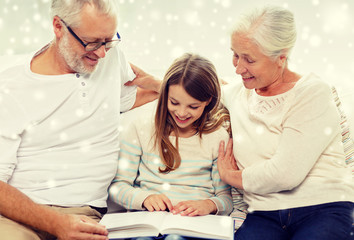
x=17, y=206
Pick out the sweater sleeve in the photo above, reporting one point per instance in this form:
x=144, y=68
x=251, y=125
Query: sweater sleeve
x=222, y=198
x=309, y=127
x=239, y=212
x=123, y=189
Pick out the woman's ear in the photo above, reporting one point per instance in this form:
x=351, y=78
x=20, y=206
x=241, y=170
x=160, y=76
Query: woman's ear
x=282, y=60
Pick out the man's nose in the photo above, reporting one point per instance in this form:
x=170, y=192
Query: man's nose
x=101, y=51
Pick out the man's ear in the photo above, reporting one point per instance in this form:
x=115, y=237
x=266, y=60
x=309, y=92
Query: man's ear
x=58, y=27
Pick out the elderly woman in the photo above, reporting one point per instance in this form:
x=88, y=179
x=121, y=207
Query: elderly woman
x=286, y=139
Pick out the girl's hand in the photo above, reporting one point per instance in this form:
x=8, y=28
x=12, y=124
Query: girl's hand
x=195, y=208
x=157, y=202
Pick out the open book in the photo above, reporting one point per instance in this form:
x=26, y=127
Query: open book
x=144, y=223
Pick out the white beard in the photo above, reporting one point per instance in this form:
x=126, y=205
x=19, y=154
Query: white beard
x=72, y=59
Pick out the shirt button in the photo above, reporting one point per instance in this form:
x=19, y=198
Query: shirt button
x=83, y=84
x=84, y=94
x=77, y=75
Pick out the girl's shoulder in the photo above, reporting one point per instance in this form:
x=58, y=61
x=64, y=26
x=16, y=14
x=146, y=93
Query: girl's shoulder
x=211, y=141
x=217, y=135
x=141, y=123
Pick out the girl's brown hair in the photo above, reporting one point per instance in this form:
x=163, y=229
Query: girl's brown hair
x=198, y=77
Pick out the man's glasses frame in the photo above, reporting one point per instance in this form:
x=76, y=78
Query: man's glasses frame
x=92, y=46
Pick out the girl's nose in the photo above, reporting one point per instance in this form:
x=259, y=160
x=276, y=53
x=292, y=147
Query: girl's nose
x=182, y=112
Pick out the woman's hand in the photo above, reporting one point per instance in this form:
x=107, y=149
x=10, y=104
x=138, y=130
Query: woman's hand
x=226, y=159
x=157, y=202
x=227, y=167
x=195, y=208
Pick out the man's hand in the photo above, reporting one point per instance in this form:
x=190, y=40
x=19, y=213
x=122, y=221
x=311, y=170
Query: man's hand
x=144, y=80
x=195, y=208
x=157, y=202
x=78, y=227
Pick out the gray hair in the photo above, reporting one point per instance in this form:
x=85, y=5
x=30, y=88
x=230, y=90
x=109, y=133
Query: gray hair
x=69, y=10
x=271, y=28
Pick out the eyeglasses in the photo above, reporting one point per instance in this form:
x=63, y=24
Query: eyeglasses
x=92, y=46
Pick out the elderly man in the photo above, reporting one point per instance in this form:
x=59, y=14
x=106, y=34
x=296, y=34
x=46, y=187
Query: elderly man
x=59, y=113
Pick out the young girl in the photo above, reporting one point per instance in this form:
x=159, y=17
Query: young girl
x=169, y=163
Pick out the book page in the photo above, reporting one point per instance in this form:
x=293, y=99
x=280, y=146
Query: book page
x=132, y=224
x=209, y=226
x=144, y=223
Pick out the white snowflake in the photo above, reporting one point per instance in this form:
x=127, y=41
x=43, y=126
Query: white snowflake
x=166, y=186
x=328, y=131
x=315, y=2
x=63, y=136
x=51, y=183
x=315, y=40
x=85, y=146
x=123, y=164
x=39, y=95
